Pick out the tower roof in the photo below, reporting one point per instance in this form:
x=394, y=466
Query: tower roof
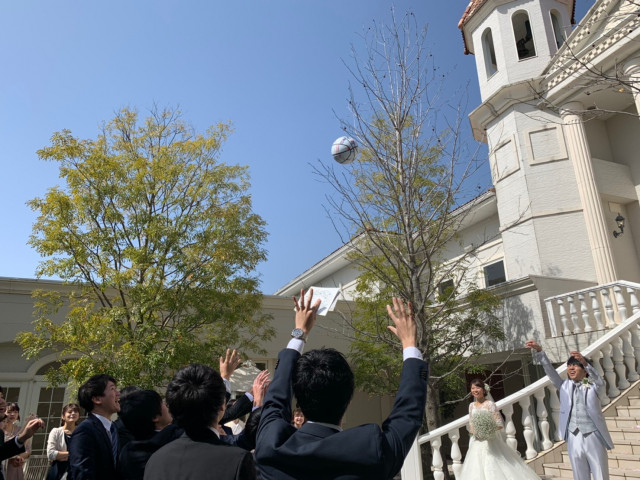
x=475, y=5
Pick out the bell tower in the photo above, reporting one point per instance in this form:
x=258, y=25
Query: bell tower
x=513, y=41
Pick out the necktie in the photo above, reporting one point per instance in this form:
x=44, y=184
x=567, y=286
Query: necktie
x=114, y=443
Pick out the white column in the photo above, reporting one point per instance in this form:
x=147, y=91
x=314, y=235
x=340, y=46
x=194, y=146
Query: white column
x=589, y=196
x=632, y=72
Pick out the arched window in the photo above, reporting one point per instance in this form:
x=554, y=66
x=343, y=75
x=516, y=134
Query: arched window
x=558, y=31
x=490, y=63
x=523, y=35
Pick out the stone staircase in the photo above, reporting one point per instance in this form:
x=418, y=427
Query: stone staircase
x=623, y=421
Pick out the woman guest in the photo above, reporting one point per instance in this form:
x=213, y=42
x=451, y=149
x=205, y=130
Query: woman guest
x=14, y=465
x=489, y=457
x=298, y=418
x=59, y=437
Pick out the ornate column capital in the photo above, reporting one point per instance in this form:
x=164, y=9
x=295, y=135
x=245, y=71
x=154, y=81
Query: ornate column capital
x=571, y=108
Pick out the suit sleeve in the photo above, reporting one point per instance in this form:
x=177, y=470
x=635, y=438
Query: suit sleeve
x=241, y=407
x=276, y=412
x=598, y=381
x=402, y=426
x=548, y=368
x=10, y=449
x=82, y=449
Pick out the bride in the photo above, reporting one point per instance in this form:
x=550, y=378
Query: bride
x=490, y=458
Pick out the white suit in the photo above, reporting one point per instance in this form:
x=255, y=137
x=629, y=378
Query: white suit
x=587, y=453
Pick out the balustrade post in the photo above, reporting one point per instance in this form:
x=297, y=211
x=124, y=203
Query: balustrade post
x=618, y=363
x=622, y=305
x=633, y=300
x=635, y=342
x=554, y=404
x=456, y=454
x=597, y=313
x=509, y=427
x=609, y=374
x=584, y=311
x=527, y=424
x=412, y=466
x=629, y=357
x=574, y=315
x=437, y=462
x=563, y=318
x=608, y=308
x=602, y=392
x=543, y=424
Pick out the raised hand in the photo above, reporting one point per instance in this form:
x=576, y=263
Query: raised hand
x=404, y=327
x=578, y=356
x=533, y=344
x=260, y=385
x=306, y=313
x=29, y=429
x=228, y=363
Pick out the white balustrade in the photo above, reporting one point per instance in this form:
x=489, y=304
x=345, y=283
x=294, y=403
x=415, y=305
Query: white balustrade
x=609, y=305
x=543, y=424
x=509, y=427
x=456, y=454
x=436, y=459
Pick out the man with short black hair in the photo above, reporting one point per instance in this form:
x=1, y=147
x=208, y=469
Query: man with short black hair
x=196, y=400
x=147, y=418
x=323, y=384
x=94, y=446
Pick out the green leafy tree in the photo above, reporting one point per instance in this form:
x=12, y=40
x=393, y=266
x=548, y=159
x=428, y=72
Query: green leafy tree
x=399, y=208
x=159, y=242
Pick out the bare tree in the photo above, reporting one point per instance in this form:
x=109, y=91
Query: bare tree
x=401, y=205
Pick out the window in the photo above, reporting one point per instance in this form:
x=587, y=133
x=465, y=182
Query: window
x=445, y=289
x=490, y=64
x=494, y=274
x=523, y=35
x=50, y=403
x=557, y=29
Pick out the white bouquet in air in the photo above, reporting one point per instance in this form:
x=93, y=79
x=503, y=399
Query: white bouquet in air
x=484, y=425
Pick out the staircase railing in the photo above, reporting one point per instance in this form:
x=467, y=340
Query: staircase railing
x=594, y=308
x=615, y=356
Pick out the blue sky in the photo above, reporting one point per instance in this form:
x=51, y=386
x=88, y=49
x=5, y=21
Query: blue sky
x=273, y=68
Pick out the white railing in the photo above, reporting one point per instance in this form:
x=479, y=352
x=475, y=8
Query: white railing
x=595, y=308
x=616, y=357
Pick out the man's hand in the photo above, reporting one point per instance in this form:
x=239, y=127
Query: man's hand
x=578, y=356
x=533, y=344
x=30, y=428
x=260, y=385
x=305, y=312
x=228, y=363
x=405, y=326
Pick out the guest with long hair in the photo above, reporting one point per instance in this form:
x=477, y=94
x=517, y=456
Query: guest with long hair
x=57, y=445
x=14, y=465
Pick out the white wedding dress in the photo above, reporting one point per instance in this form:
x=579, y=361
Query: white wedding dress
x=493, y=459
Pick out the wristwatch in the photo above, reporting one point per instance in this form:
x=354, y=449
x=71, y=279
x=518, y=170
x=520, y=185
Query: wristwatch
x=299, y=334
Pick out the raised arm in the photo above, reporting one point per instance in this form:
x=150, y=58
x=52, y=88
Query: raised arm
x=540, y=356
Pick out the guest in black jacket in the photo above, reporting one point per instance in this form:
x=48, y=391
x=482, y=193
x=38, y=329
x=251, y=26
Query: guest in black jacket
x=147, y=418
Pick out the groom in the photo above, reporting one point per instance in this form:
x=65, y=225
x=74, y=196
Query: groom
x=581, y=423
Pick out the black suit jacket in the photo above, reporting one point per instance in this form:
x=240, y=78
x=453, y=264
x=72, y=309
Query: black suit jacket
x=187, y=459
x=90, y=453
x=317, y=452
x=242, y=406
x=10, y=449
x=135, y=454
